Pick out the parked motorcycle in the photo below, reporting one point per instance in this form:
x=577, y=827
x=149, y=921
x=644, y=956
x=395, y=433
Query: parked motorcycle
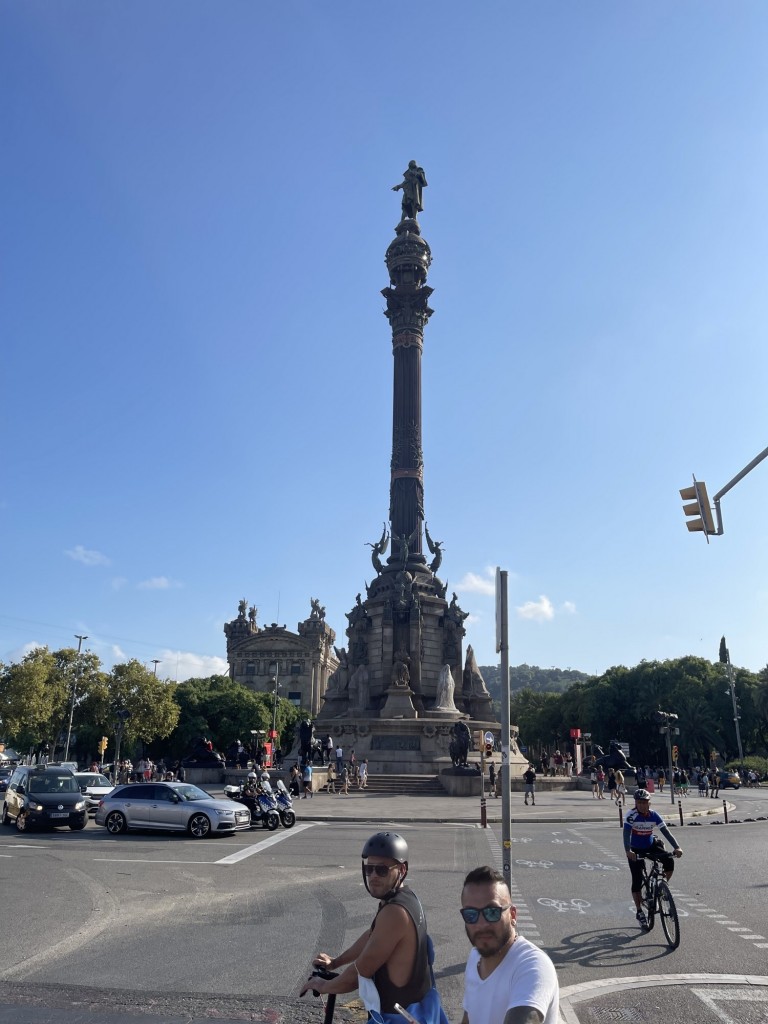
x=285, y=805
x=263, y=807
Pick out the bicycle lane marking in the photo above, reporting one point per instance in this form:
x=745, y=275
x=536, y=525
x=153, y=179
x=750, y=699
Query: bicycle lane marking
x=524, y=918
x=277, y=837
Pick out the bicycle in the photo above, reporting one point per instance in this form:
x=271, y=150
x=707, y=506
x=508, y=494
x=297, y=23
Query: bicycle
x=657, y=900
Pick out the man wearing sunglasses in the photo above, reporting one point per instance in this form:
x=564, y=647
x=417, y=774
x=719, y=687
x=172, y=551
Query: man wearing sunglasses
x=389, y=962
x=508, y=980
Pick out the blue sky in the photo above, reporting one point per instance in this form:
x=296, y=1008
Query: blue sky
x=195, y=204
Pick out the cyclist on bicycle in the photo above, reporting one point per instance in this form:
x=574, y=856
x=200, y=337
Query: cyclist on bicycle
x=640, y=842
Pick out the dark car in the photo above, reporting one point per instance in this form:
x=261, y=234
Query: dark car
x=729, y=779
x=5, y=775
x=45, y=797
x=172, y=807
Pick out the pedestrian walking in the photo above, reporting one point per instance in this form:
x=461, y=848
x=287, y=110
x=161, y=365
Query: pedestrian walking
x=362, y=774
x=344, y=780
x=600, y=783
x=492, y=777
x=306, y=779
x=330, y=783
x=529, y=784
x=339, y=759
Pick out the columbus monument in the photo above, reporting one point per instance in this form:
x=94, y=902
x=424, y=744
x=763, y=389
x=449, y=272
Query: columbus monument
x=403, y=690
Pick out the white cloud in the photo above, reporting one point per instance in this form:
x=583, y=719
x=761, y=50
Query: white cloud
x=472, y=620
x=119, y=582
x=181, y=665
x=539, y=611
x=569, y=607
x=87, y=557
x=472, y=583
x=21, y=652
x=118, y=655
x=157, y=583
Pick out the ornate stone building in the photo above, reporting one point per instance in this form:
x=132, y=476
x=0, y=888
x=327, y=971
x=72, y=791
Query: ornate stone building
x=301, y=661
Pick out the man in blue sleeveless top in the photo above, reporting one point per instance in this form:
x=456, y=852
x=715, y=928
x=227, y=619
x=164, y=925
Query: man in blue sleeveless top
x=392, y=955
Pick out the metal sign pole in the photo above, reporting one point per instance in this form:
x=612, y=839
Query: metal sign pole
x=502, y=648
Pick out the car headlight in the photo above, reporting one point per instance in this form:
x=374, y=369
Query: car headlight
x=80, y=805
x=36, y=807
x=225, y=814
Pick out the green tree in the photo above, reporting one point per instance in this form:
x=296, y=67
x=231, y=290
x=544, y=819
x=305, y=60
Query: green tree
x=225, y=711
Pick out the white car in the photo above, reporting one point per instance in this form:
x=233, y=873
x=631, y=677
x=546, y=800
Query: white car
x=94, y=786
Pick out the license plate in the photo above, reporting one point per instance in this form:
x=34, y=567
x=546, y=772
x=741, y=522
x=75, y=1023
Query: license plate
x=60, y=814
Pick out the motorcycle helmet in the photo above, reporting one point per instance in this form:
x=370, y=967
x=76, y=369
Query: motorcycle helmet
x=265, y=776
x=252, y=775
x=391, y=845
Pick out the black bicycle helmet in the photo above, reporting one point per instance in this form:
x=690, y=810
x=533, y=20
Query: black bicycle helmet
x=387, y=844
x=642, y=794
x=391, y=845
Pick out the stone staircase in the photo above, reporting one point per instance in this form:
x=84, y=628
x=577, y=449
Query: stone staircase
x=416, y=785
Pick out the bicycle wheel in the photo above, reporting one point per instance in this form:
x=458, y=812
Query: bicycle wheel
x=668, y=911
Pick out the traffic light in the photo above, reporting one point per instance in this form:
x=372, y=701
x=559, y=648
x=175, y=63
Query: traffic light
x=675, y=752
x=102, y=744
x=488, y=749
x=698, y=508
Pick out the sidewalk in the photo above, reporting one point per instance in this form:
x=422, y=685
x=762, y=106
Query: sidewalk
x=555, y=807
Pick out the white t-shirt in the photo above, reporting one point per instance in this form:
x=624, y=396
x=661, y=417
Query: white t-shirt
x=525, y=977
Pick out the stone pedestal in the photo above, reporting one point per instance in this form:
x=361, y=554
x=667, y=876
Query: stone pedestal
x=399, y=703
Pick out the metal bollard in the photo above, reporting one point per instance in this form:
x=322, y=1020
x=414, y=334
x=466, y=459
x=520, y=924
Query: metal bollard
x=621, y=817
x=483, y=815
x=680, y=810
x=725, y=811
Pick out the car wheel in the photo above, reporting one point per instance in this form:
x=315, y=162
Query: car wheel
x=21, y=822
x=80, y=827
x=199, y=826
x=116, y=823
x=5, y=819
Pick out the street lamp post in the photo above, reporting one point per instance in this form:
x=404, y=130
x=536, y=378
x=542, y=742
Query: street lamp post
x=156, y=662
x=79, y=639
x=122, y=717
x=274, y=671
x=725, y=657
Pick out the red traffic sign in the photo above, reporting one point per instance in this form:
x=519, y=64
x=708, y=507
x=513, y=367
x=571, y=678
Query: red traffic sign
x=575, y=734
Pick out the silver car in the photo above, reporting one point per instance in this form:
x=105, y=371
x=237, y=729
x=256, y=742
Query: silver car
x=172, y=807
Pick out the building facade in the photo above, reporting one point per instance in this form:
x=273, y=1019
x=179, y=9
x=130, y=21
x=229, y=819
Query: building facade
x=300, y=663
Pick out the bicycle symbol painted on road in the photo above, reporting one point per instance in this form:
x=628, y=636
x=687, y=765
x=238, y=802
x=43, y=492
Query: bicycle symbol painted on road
x=570, y=842
x=521, y=839
x=535, y=863
x=598, y=867
x=561, y=906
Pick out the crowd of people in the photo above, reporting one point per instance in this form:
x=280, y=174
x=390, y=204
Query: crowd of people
x=346, y=773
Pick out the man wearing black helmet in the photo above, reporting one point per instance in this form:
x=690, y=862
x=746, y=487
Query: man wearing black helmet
x=389, y=962
x=639, y=842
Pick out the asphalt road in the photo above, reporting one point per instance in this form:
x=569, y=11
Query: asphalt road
x=100, y=928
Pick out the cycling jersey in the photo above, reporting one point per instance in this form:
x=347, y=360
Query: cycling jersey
x=638, y=830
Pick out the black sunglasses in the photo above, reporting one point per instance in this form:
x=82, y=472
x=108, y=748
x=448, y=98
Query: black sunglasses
x=491, y=914
x=382, y=870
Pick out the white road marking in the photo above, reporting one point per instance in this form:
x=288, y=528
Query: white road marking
x=249, y=851
x=711, y=997
x=748, y=990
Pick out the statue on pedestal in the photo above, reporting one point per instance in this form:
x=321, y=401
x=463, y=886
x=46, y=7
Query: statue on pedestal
x=445, y=686
x=458, y=748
